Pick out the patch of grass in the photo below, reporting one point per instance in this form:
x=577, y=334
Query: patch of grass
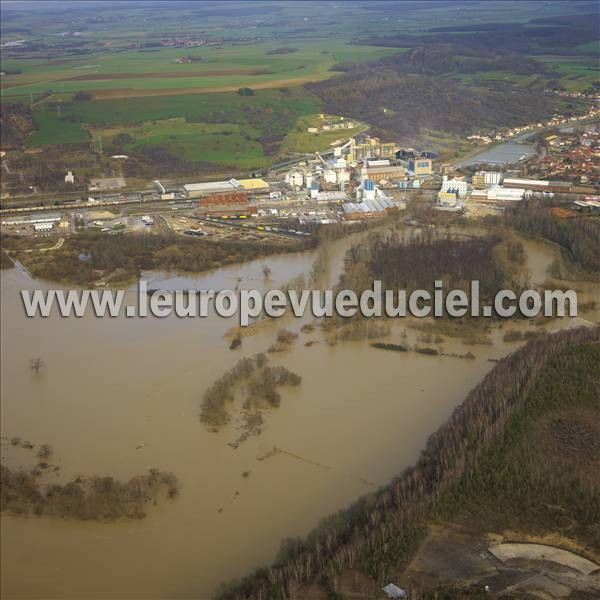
x=576, y=73
x=589, y=48
x=219, y=128
x=219, y=143
x=52, y=130
x=300, y=140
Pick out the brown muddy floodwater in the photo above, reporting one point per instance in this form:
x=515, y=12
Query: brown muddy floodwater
x=111, y=385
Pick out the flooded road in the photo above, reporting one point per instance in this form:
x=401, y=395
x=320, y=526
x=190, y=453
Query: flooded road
x=110, y=386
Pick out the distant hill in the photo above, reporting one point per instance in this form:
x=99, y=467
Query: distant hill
x=547, y=35
x=404, y=96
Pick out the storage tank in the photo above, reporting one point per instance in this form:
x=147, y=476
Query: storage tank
x=295, y=178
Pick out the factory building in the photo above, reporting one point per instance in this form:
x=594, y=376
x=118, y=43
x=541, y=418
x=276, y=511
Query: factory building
x=199, y=190
x=329, y=176
x=340, y=166
x=295, y=179
x=592, y=206
x=230, y=203
x=385, y=172
x=43, y=227
x=420, y=166
x=527, y=184
x=331, y=197
x=498, y=193
x=314, y=189
x=167, y=192
x=224, y=199
x=38, y=218
x=486, y=179
x=364, y=147
x=447, y=197
x=255, y=185
x=368, y=189
x=368, y=208
x=458, y=186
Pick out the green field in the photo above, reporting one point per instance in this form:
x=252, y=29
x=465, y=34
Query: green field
x=130, y=111
x=53, y=130
x=577, y=73
x=299, y=140
x=141, y=72
x=506, y=76
x=168, y=75
x=574, y=74
x=161, y=102
x=223, y=128
x=221, y=143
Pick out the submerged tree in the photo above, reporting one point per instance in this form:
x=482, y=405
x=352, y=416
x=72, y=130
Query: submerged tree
x=35, y=364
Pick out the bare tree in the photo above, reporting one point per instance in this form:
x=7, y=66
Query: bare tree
x=35, y=364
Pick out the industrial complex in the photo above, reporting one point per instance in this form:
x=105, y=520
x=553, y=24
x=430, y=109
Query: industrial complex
x=361, y=178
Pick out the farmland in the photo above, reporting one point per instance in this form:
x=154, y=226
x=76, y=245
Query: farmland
x=142, y=72
x=169, y=78
x=183, y=100
x=221, y=143
x=124, y=111
x=576, y=73
x=224, y=128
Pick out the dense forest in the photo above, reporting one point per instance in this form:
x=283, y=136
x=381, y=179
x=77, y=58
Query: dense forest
x=415, y=102
x=546, y=35
x=382, y=531
x=445, y=59
x=415, y=264
x=151, y=160
x=539, y=474
x=416, y=90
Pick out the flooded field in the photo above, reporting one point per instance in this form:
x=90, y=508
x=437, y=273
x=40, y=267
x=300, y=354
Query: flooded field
x=117, y=396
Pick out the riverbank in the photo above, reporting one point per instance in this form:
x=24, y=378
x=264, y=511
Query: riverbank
x=118, y=395
x=471, y=157
x=377, y=537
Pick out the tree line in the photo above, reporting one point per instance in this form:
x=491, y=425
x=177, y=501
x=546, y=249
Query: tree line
x=384, y=530
x=95, y=498
x=89, y=256
x=577, y=236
